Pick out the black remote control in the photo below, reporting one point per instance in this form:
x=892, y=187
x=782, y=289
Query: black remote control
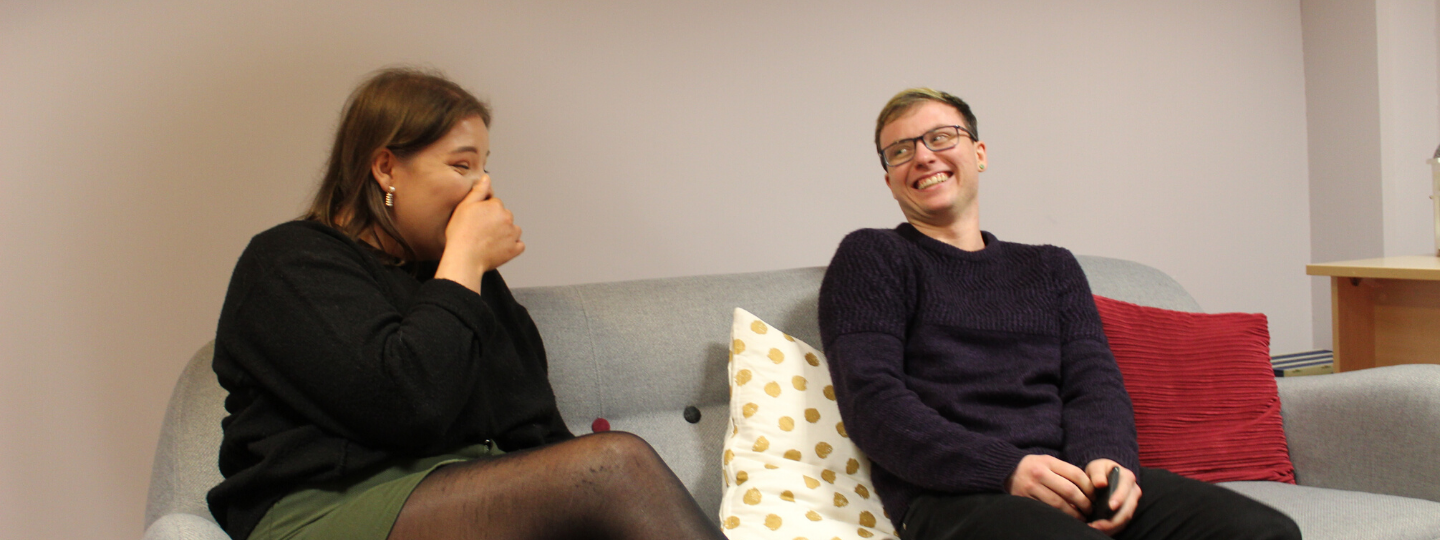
x=1100, y=505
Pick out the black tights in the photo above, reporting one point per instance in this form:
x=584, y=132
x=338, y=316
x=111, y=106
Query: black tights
x=601, y=486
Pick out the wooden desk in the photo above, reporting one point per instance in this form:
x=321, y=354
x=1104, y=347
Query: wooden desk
x=1384, y=311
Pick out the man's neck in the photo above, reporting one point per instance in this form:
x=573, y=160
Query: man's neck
x=962, y=232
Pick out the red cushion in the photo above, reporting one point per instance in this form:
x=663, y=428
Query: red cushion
x=1206, y=406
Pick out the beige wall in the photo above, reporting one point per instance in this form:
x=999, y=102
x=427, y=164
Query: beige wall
x=1373, y=109
x=143, y=145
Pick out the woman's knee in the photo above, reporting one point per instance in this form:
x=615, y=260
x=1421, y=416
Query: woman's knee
x=620, y=452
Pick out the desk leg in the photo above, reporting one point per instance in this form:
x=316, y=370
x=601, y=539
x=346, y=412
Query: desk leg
x=1352, y=306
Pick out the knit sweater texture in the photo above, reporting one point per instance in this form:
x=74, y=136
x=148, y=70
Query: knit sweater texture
x=338, y=365
x=950, y=366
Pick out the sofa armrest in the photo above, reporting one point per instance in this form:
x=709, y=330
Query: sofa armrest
x=1373, y=430
x=181, y=526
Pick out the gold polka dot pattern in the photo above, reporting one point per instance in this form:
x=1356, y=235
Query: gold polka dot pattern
x=773, y=522
x=867, y=519
x=823, y=449
x=752, y=497
x=772, y=388
x=781, y=490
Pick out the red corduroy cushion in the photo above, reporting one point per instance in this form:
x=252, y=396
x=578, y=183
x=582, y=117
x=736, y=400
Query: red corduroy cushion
x=1205, y=401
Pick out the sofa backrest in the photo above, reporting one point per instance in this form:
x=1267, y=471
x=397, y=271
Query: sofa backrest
x=636, y=353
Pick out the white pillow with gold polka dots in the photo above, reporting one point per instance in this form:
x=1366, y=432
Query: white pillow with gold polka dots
x=791, y=471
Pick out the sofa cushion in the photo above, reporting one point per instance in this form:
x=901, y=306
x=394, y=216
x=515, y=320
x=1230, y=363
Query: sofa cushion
x=790, y=469
x=1352, y=515
x=1204, y=394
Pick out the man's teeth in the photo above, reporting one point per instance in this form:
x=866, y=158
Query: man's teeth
x=932, y=180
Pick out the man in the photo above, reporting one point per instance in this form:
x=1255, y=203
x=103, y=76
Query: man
x=975, y=373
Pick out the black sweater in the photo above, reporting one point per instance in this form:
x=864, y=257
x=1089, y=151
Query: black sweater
x=337, y=364
x=951, y=365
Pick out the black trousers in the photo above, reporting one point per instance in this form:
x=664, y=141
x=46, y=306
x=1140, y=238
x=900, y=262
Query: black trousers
x=1171, y=507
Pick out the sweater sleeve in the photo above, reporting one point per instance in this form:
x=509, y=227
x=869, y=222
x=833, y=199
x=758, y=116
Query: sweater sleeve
x=310, y=322
x=866, y=301
x=1097, y=417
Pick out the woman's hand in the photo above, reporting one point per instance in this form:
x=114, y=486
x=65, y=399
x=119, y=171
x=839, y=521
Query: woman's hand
x=1052, y=481
x=480, y=236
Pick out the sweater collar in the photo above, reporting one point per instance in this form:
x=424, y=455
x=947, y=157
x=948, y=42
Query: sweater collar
x=993, y=246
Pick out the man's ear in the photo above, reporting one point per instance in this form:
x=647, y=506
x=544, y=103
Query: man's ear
x=382, y=167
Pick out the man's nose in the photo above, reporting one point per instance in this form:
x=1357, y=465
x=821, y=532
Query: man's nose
x=923, y=154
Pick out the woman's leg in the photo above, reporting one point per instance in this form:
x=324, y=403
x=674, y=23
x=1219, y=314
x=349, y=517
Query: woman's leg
x=606, y=485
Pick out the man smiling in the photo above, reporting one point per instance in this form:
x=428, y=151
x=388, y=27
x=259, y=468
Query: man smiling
x=975, y=373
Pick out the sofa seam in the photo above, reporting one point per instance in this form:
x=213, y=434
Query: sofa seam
x=594, y=356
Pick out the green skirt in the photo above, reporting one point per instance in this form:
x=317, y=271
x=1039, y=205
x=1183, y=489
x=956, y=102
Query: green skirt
x=356, y=510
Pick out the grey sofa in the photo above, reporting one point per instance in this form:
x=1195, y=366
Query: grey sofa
x=638, y=353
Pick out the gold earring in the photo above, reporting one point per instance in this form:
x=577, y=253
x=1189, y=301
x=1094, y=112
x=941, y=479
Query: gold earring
x=390, y=197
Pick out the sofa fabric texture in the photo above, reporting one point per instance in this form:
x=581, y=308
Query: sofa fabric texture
x=639, y=352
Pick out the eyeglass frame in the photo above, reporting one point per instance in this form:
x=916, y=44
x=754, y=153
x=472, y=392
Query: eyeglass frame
x=921, y=139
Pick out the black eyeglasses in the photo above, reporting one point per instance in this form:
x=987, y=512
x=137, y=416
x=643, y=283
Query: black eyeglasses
x=941, y=138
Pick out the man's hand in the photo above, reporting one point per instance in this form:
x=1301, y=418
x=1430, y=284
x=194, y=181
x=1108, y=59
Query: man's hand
x=1054, y=482
x=1124, y=497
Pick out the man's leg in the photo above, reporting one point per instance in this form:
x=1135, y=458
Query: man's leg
x=991, y=516
x=1177, y=508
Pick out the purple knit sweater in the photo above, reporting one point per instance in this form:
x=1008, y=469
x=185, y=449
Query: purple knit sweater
x=950, y=366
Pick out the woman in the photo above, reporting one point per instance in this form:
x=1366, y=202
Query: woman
x=383, y=381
